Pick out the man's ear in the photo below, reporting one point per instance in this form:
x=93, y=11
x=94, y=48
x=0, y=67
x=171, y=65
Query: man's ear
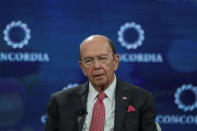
x=116, y=61
x=82, y=67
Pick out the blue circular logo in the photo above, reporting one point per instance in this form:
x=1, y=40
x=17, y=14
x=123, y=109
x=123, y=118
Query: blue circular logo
x=178, y=101
x=131, y=45
x=20, y=25
x=43, y=119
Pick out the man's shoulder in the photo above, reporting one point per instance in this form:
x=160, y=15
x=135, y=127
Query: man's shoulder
x=69, y=92
x=134, y=89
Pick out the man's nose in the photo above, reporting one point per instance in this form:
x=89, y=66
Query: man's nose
x=96, y=64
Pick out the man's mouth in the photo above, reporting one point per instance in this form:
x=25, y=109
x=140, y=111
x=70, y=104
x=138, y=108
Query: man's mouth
x=98, y=75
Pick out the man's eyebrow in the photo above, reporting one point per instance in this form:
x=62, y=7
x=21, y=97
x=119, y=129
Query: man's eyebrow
x=101, y=55
x=88, y=57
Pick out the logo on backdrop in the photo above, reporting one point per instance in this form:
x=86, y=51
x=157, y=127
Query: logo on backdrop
x=43, y=118
x=180, y=95
x=128, y=31
x=178, y=101
x=17, y=34
x=137, y=28
x=23, y=27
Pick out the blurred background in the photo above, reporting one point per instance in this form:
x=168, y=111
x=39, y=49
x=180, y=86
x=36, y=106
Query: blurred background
x=39, y=42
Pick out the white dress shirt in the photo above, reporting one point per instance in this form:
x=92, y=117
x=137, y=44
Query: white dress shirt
x=109, y=103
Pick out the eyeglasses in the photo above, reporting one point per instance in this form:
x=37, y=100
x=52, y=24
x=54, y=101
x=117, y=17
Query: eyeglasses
x=88, y=62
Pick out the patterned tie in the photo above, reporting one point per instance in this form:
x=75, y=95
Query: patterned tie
x=98, y=114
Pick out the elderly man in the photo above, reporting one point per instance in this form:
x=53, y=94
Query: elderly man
x=104, y=103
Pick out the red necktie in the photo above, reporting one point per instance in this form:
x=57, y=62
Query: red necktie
x=98, y=114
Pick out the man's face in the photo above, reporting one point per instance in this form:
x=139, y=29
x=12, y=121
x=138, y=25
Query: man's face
x=98, y=62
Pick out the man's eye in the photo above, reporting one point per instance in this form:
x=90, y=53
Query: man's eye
x=103, y=58
x=88, y=61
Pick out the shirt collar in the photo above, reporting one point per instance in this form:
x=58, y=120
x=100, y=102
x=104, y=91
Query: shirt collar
x=110, y=91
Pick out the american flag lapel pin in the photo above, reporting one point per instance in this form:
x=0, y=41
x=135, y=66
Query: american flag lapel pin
x=124, y=98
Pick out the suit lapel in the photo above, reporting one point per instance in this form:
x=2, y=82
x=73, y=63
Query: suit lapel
x=121, y=105
x=81, y=104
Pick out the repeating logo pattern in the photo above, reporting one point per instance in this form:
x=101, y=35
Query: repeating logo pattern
x=21, y=25
x=131, y=45
x=178, y=101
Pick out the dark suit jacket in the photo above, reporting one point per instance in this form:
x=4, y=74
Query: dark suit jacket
x=66, y=110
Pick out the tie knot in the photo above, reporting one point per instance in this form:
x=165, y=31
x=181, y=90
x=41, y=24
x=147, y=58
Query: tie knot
x=101, y=95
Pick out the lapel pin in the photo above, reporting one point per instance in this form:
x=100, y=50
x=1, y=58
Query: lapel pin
x=124, y=98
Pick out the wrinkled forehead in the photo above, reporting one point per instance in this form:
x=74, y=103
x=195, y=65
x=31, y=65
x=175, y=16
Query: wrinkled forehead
x=95, y=47
x=93, y=43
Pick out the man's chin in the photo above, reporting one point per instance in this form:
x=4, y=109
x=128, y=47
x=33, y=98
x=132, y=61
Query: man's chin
x=100, y=84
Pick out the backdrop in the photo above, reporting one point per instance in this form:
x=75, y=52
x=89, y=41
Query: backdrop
x=39, y=41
